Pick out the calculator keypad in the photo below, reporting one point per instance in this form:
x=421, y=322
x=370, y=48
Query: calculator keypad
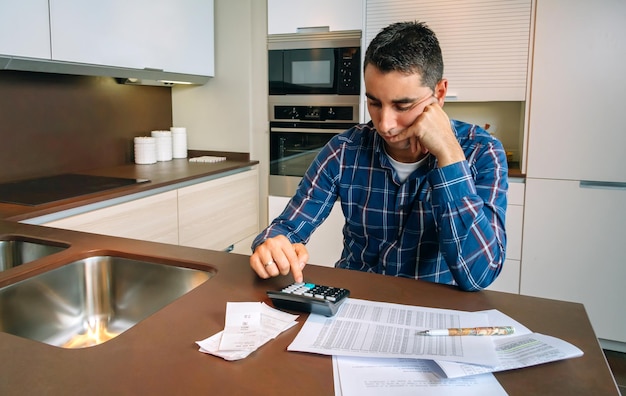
x=309, y=297
x=316, y=291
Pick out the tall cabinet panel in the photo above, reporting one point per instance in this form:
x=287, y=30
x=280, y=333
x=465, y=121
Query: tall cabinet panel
x=576, y=183
x=574, y=250
x=576, y=128
x=25, y=28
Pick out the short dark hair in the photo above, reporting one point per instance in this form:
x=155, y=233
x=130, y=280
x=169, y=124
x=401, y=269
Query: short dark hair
x=407, y=47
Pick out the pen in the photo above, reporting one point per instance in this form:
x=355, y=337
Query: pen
x=478, y=331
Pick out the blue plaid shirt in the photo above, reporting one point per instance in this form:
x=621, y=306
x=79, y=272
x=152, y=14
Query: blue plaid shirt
x=442, y=225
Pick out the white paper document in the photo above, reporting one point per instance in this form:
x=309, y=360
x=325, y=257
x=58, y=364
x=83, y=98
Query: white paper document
x=521, y=349
x=248, y=325
x=517, y=352
x=356, y=376
x=373, y=329
x=376, y=350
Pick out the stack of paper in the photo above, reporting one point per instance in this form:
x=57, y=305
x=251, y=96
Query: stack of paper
x=376, y=347
x=248, y=325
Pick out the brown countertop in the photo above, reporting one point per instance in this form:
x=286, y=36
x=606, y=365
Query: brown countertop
x=515, y=170
x=159, y=356
x=160, y=175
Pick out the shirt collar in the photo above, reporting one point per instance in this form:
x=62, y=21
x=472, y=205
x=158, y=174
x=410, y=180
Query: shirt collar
x=380, y=152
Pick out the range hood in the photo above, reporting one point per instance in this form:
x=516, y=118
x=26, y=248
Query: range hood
x=123, y=75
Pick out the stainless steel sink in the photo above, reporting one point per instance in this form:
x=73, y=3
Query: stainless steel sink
x=17, y=250
x=91, y=301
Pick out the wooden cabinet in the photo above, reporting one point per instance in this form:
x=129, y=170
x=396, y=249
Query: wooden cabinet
x=576, y=185
x=171, y=35
x=217, y=213
x=25, y=28
x=286, y=16
x=243, y=246
x=152, y=218
x=214, y=214
x=485, y=43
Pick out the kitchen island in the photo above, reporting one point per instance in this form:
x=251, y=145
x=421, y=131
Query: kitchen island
x=159, y=354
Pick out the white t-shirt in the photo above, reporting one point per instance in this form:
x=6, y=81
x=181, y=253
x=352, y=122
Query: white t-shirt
x=404, y=169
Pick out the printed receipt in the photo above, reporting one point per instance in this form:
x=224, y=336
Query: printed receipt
x=248, y=325
x=242, y=330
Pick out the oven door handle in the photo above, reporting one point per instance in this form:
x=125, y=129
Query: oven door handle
x=307, y=130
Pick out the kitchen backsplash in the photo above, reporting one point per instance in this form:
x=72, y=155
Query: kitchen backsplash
x=52, y=123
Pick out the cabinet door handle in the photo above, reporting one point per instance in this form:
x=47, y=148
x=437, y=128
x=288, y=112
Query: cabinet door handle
x=604, y=185
x=313, y=29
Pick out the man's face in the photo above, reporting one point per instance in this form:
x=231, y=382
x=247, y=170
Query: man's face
x=394, y=101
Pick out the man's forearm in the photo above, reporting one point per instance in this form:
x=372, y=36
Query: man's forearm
x=471, y=232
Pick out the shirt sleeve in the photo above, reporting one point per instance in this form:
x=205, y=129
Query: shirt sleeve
x=469, y=205
x=312, y=202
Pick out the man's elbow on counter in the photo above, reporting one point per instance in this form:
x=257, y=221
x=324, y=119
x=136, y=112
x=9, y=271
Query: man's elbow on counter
x=471, y=284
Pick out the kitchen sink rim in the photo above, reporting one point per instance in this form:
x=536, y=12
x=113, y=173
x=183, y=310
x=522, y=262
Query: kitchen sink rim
x=80, y=264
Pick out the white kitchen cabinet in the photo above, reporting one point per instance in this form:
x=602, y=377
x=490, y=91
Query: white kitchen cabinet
x=219, y=212
x=576, y=185
x=326, y=243
x=286, y=16
x=25, y=28
x=153, y=218
x=576, y=128
x=170, y=35
x=485, y=43
x=214, y=214
x=509, y=278
x=573, y=249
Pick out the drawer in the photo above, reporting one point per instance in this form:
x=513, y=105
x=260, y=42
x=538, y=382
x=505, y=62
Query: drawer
x=517, y=186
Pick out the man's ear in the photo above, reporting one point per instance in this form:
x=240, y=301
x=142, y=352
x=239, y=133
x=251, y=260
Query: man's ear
x=441, y=89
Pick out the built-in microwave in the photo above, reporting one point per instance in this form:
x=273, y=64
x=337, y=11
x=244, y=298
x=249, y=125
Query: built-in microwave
x=327, y=63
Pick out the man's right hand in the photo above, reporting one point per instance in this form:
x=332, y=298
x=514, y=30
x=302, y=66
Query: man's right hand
x=278, y=256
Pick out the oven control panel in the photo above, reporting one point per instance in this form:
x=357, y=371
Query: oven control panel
x=314, y=113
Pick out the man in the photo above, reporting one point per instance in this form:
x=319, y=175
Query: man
x=424, y=197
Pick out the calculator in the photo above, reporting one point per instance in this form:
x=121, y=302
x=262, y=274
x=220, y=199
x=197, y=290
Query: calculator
x=309, y=297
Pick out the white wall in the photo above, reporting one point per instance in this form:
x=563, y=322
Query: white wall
x=229, y=113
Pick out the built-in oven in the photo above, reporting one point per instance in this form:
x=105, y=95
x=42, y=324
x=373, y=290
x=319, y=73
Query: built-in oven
x=299, y=127
x=314, y=86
